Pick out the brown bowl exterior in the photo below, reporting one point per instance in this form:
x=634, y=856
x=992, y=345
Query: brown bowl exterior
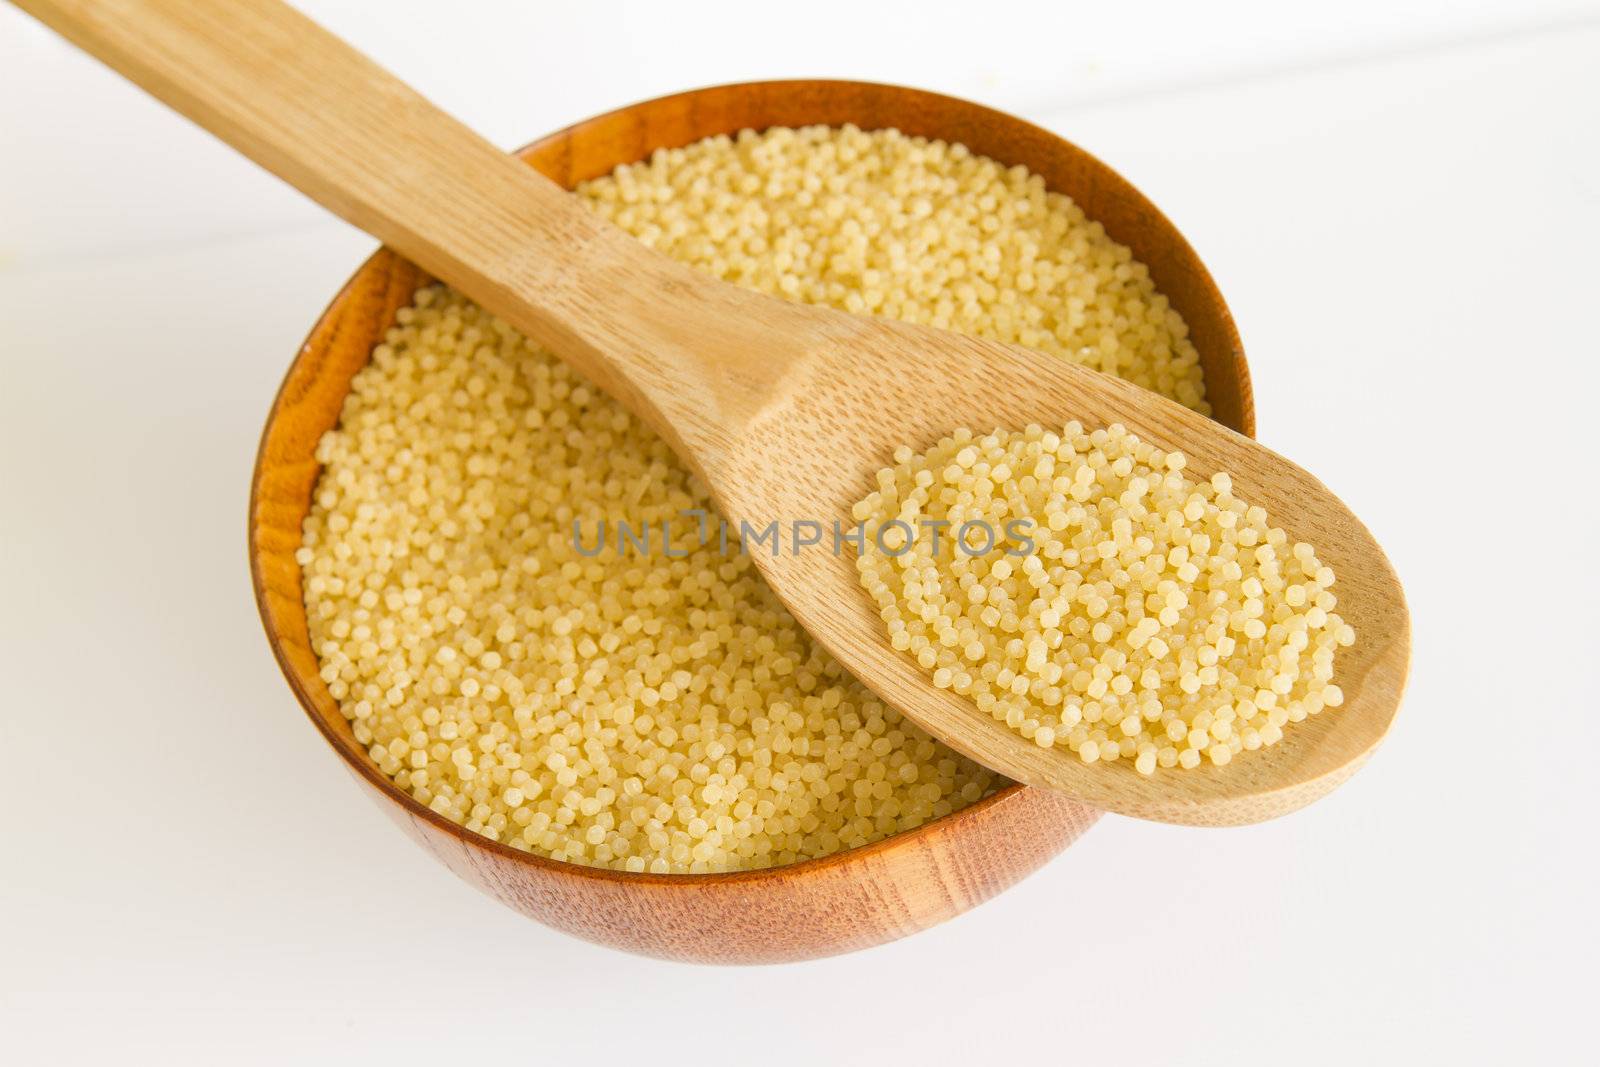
x=846, y=901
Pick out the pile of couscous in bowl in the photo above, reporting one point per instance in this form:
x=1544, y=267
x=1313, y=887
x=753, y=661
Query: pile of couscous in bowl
x=647, y=713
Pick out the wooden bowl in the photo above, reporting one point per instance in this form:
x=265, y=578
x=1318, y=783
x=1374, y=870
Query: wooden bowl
x=845, y=901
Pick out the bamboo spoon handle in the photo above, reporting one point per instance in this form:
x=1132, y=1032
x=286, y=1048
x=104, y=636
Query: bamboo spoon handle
x=308, y=107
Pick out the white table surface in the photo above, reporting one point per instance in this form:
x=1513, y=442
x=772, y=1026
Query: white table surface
x=1402, y=204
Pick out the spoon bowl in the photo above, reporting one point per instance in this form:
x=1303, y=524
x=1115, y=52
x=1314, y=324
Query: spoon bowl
x=815, y=455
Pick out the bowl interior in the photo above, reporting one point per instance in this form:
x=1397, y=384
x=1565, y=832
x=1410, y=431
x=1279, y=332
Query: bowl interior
x=313, y=393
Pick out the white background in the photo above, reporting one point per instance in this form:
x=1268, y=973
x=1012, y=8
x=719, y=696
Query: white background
x=1401, y=202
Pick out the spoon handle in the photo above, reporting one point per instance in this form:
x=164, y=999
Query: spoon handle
x=304, y=104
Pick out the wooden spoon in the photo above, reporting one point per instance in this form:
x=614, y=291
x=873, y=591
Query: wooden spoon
x=786, y=411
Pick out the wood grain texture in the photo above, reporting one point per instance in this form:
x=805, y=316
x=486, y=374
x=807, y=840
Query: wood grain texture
x=850, y=900
x=786, y=411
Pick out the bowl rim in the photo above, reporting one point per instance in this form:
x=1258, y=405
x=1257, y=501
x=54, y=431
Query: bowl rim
x=354, y=754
